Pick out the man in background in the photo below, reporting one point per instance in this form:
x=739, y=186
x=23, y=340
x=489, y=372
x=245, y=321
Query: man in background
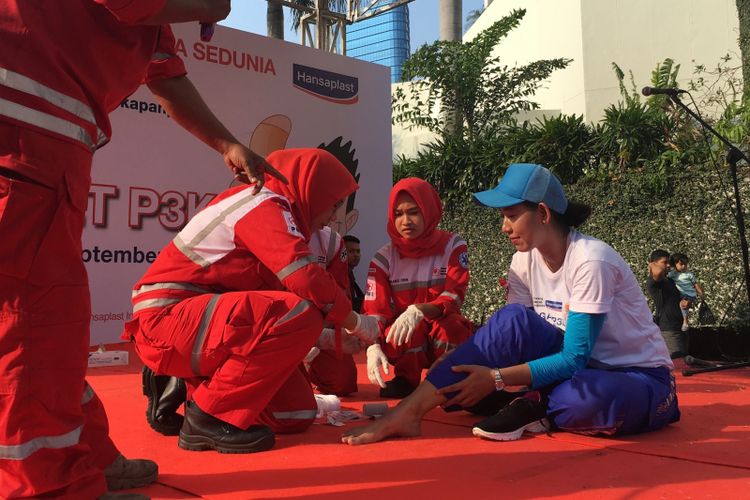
x=354, y=252
x=667, y=303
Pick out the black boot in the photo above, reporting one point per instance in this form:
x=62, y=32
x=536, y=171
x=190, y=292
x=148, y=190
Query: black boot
x=398, y=388
x=165, y=395
x=201, y=431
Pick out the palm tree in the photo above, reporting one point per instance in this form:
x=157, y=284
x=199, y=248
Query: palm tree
x=472, y=16
x=275, y=20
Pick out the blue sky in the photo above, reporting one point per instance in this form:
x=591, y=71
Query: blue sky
x=250, y=15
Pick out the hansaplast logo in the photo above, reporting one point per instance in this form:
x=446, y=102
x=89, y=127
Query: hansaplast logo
x=333, y=87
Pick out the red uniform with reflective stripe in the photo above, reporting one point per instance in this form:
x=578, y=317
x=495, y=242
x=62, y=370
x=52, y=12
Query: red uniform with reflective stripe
x=394, y=283
x=242, y=242
x=331, y=372
x=77, y=60
x=63, y=66
x=215, y=309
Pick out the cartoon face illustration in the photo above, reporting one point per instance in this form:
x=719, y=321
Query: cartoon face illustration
x=272, y=133
x=346, y=216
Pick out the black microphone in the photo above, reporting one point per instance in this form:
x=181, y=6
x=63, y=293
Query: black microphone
x=657, y=91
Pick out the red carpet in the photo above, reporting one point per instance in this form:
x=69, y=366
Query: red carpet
x=705, y=455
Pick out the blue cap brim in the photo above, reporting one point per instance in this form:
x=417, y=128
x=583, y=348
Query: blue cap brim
x=496, y=199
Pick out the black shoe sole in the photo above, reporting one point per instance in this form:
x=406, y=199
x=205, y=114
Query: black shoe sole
x=398, y=388
x=203, y=443
x=117, y=483
x=150, y=390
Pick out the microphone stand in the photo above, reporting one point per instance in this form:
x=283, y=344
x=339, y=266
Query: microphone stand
x=734, y=155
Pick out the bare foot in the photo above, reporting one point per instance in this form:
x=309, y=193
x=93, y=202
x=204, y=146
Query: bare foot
x=393, y=424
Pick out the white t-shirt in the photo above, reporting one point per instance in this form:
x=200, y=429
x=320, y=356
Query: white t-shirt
x=593, y=279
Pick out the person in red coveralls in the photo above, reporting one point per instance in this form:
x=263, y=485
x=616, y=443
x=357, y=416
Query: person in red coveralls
x=237, y=299
x=332, y=368
x=64, y=66
x=415, y=287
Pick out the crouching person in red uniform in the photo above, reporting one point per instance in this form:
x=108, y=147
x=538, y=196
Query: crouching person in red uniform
x=236, y=300
x=415, y=287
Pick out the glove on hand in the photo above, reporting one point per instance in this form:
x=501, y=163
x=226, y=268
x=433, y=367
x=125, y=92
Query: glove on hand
x=403, y=328
x=375, y=359
x=367, y=329
x=349, y=343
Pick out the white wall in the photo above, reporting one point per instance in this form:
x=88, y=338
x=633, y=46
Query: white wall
x=639, y=34
x=636, y=34
x=550, y=29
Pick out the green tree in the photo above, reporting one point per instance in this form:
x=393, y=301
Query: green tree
x=743, y=12
x=465, y=78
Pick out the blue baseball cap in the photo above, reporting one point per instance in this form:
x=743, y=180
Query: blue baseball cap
x=526, y=182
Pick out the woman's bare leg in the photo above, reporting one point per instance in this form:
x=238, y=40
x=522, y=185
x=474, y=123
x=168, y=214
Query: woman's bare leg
x=402, y=421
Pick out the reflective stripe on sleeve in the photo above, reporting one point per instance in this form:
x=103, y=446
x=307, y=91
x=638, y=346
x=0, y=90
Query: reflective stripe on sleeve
x=23, y=450
x=417, y=284
x=168, y=286
x=145, y=304
x=209, y=236
x=295, y=266
x=453, y=296
x=46, y=122
x=80, y=109
x=382, y=261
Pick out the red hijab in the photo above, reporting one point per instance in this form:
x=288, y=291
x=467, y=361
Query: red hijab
x=317, y=180
x=432, y=241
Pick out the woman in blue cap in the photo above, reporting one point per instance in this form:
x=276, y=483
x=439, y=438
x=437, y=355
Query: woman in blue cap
x=577, y=331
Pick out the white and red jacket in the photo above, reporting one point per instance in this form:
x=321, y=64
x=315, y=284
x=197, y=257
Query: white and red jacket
x=65, y=65
x=240, y=242
x=394, y=283
x=330, y=251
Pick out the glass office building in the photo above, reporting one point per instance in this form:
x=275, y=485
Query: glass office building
x=382, y=39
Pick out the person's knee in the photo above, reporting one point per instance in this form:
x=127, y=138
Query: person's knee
x=312, y=318
x=303, y=320
x=582, y=415
x=507, y=326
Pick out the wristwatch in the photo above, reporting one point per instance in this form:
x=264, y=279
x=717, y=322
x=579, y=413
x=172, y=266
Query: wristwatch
x=499, y=383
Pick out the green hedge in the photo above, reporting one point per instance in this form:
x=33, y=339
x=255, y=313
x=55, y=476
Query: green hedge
x=692, y=216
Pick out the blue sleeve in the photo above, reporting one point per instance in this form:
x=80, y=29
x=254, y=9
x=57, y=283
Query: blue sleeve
x=581, y=332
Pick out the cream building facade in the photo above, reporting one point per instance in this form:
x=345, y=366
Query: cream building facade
x=635, y=34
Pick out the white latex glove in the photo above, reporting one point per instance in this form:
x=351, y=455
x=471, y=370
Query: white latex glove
x=375, y=359
x=366, y=329
x=403, y=328
x=349, y=343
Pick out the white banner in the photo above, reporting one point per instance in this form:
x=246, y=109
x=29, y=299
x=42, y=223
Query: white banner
x=154, y=175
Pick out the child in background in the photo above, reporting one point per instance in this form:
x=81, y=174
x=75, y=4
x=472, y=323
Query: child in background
x=686, y=283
